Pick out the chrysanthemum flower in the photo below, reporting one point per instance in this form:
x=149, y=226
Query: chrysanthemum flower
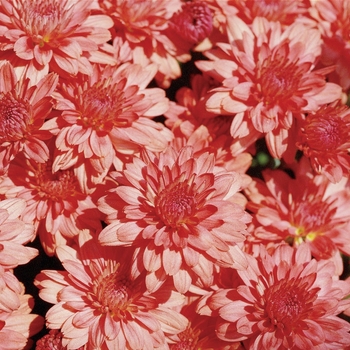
x=267, y=79
x=23, y=109
x=143, y=25
x=59, y=35
x=305, y=210
x=14, y=234
x=333, y=19
x=286, y=301
x=102, y=303
x=324, y=139
x=54, y=201
x=193, y=23
x=177, y=210
x=18, y=325
x=106, y=114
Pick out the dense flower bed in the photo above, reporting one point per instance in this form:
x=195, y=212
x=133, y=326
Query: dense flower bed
x=174, y=174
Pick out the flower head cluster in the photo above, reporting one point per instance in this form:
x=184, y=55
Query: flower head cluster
x=174, y=174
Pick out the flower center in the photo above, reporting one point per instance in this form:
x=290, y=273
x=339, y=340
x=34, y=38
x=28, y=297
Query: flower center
x=114, y=293
x=288, y=302
x=105, y=105
x=14, y=115
x=279, y=78
x=325, y=132
x=311, y=217
x=176, y=204
x=55, y=186
x=194, y=23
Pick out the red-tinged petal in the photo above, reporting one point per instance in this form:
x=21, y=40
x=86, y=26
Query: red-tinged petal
x=182, y=281
x=151, y=260
x=42, y=56
x=77, y=134
x=45, y=87
x=36, y=150
x=133, y=334
x=100, y=145
x=111, y=328
x=172, y=261
x=57, y=315
x=149, y=321
x=67, y=65
x=77, y=270
x=24, y=48
x=129, y=194
x=171, y=322
x=71, y=48
x=108, y=235
x=8, y=78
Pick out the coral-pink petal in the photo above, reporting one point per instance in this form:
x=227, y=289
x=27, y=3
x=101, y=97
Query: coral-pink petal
x=133, y=334
x=111, y=327
x=234, y=310
x=148, y=320
x=57, y=315
x=171, y=321
x=128, y=232
x=23, y=48
x=83, y=318
x=182, y=281
x=129, y=194
x=37, y=150
x=172, y=261
x=151, y=260
x=77, y=270
x=42, y=56
x=8, y=77
x=100, y=145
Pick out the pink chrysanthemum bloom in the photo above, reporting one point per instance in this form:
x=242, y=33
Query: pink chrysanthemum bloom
x=286, y=301
x=23, y=109
x=106, y=114
x=143, y=24
x=17, y=323
x=333, y=19
x=60, y=36
x=177, y=209
x=102, y=303
x=324, y=139
x=193, y=23
x=54, y=201
x=14, y=234
x=305, y=210
x=267, y=79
